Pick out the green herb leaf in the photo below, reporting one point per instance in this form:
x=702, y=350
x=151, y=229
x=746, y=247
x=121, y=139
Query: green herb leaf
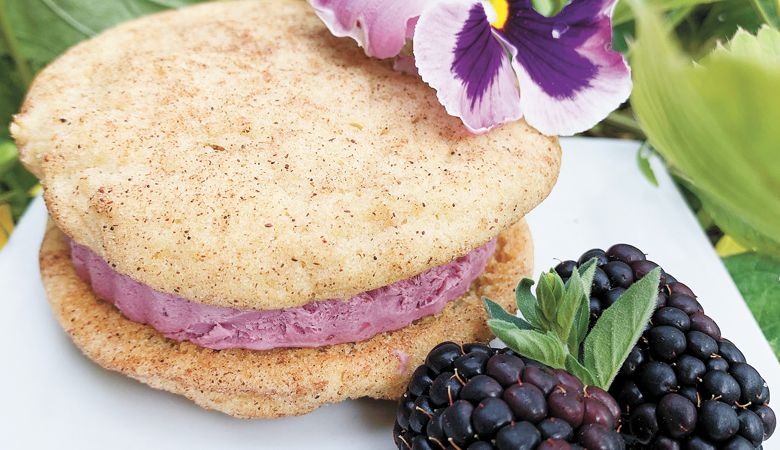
x=548, y=292
x=569, y=307
x=578, y=370
x=545, y=348
x=618, y=329
x=582, y=317
x=758, y=279
x=495, y=311
x=526, y=302
x=580, y=325
x=587, y=271
x=562, y=313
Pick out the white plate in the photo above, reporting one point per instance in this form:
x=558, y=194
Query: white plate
x=53, y=397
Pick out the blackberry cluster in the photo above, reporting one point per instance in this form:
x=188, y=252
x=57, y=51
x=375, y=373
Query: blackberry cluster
x=683, y=385
x=479, y=398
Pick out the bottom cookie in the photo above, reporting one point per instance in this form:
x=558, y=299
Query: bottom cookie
x=280, y=382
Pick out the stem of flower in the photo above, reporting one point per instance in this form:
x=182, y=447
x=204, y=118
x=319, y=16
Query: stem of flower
x=762, y=14
x=678, y=15
x=22, y=66
x=625, y=122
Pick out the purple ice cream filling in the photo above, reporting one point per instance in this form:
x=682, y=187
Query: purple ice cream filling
x=316, y=324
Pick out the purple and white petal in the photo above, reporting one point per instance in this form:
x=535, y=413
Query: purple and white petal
x=379, y=26
x=570, y=78
x=458, y=55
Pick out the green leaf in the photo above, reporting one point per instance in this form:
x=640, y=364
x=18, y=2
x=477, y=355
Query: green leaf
x=15, y=186
x=616, y=332
x=581, y=323
x=545, y=348
x=569, y=307
x=548, y=293
x=643, y=160
x=716, y=124
x=764, y=46
x=562, y=311
x=581, y=319
x=526, y=302
x=737, y=227
x=11, y=93
x=726, y=17
x=8, y=156
x=758, y=279
x=587, y=271
x=495, y=311
x=578, y=370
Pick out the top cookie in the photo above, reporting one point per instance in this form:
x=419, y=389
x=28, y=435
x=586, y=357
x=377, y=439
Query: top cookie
x=237, y=154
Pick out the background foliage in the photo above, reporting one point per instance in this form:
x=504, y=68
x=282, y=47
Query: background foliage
x=705, y=99
x=714, y=122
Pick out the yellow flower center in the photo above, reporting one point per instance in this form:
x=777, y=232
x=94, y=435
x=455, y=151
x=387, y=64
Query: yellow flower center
x=501, y=9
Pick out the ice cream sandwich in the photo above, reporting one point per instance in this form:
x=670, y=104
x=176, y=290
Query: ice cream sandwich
x=251, y=213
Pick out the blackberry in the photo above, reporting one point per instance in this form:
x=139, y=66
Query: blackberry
x=676, y=415
x=666, y=342
x=476, y=397
x=716, y=363
x=619, y=273
x=683, y=385
x=599, y=254
x=565, y=268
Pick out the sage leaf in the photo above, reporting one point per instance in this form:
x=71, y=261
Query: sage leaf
x=586, y=272
x=580, y=326
x=569, y=306
x=548, y=293
x=526, y=302
x=582, y=318
x=578, y=370
x=495, y=311
x=608, y=344
x=545, y=348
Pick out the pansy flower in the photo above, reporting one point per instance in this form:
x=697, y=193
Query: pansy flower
x=495, y=61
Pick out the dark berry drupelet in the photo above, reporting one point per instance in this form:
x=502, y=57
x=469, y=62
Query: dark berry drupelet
x=683, y=385
x=480, y=398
